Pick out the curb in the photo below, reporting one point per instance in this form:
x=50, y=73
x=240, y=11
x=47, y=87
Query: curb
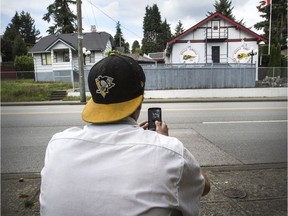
x=153, y=100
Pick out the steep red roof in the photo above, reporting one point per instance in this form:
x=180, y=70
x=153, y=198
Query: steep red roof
x=238, y=25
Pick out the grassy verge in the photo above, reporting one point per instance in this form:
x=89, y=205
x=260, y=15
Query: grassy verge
x=76, y=98
x=29, y=90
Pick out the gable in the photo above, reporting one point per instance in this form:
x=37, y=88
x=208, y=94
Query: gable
x=60, y=44
x=225, y=22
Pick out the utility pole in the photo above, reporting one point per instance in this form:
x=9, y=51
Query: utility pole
x=80, y=53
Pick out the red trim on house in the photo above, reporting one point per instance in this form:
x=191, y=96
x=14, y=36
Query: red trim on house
x=235, y=25
x=227, y=40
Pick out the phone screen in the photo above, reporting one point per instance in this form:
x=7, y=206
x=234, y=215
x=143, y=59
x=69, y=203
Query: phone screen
x=154, y=114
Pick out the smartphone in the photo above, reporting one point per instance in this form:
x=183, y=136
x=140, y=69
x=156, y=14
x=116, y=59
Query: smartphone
x=154, y=114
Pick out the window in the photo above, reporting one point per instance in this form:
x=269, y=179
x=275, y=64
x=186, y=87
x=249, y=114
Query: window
x=46, y=59
x=66, y=57
x=54, y=57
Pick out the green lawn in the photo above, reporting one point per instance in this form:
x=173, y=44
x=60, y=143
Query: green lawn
x=29, y=90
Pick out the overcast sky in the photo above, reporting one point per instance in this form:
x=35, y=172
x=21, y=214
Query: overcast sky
x=130, y=13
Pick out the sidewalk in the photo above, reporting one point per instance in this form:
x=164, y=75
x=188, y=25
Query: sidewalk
x=187, y=95
x=211, y=94
x=235, y=191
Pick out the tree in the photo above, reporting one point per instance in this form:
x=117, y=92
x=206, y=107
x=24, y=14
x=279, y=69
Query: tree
x=166, y=34
x=24, y=25
x=7, y=43
x=156, y=32
x=119, y=40
x=21, y=25
x=127, y=48
x=275, y=60
x=24, y=63
x=224, y=7
x=135, y=47
x=278, y=24
x=27, y=29
x=152, y=40
x=179, y=29
x=18, y=47
x=65, y=20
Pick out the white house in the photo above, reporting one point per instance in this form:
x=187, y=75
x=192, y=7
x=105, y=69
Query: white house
x=56, y=56
x=216, y=39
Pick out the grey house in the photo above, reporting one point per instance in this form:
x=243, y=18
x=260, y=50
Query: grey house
x=56, y=56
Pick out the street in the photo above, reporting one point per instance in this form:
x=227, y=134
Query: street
x=231, y=133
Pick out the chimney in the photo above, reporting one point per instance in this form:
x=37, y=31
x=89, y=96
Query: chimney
x=93, y=28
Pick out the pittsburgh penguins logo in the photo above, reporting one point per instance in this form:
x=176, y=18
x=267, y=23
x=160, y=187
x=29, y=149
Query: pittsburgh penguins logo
x=104, y=84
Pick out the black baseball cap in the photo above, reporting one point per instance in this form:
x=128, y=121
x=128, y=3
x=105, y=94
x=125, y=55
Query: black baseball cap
x=116, y=84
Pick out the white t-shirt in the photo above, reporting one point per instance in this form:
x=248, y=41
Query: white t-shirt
x=118, y=170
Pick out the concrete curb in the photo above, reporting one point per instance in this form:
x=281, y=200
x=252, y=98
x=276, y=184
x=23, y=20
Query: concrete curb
x=151, y=100
x=186, y=95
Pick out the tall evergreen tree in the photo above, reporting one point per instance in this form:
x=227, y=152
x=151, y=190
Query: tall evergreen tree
x=119, y=40
x=278, y=24
x=152, y=40
x=65, y=20
x=166, y=32
x=27, y=29
x=22, y=25
x=225, y=7
x=179, y=29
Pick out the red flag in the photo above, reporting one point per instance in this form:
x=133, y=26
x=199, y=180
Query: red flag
x=263, y=4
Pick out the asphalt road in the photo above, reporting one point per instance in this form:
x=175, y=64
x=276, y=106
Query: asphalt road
x=216, y=133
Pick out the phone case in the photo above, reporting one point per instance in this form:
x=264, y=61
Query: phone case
x=154, y=114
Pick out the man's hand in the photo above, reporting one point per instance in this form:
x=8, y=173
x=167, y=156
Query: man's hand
x=161, y=128
x=144, y=124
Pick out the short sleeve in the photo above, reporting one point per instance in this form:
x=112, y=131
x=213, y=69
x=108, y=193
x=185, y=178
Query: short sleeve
x=191, y=186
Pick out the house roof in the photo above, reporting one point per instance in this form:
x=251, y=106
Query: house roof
x=140, y=59
x=91, y=41
x=216, y=15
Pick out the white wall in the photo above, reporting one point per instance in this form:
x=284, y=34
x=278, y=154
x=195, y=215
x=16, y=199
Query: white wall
x=229, y=51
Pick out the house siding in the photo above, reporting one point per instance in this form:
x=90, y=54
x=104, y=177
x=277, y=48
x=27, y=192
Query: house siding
x=42, y=72
x=198, y=43
x=64, y=55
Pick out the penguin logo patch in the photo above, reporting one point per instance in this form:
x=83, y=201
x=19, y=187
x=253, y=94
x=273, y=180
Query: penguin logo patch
x=104, y=84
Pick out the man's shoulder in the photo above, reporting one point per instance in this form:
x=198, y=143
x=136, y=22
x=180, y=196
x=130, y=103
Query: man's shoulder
x=166, y=143
x=69, y=132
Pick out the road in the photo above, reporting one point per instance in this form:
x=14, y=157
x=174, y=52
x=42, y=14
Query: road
x=231, y=133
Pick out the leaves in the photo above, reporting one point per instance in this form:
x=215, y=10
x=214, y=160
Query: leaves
x=63, y=17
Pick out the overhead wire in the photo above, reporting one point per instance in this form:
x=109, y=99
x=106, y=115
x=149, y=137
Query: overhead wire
x=112, y=19
x=95, y=20
x=87, y=17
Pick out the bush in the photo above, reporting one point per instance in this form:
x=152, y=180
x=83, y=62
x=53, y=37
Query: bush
x=26, y=65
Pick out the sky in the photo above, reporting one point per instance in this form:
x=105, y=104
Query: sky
x=130, y=13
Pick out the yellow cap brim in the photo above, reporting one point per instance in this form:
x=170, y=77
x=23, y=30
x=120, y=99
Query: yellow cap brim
x=105, y=113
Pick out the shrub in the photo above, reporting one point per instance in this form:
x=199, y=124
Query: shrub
x=26, y=65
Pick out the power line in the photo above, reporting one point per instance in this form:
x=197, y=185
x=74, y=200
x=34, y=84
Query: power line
x=113, y=19
x=94, y=16
x=87, y=20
